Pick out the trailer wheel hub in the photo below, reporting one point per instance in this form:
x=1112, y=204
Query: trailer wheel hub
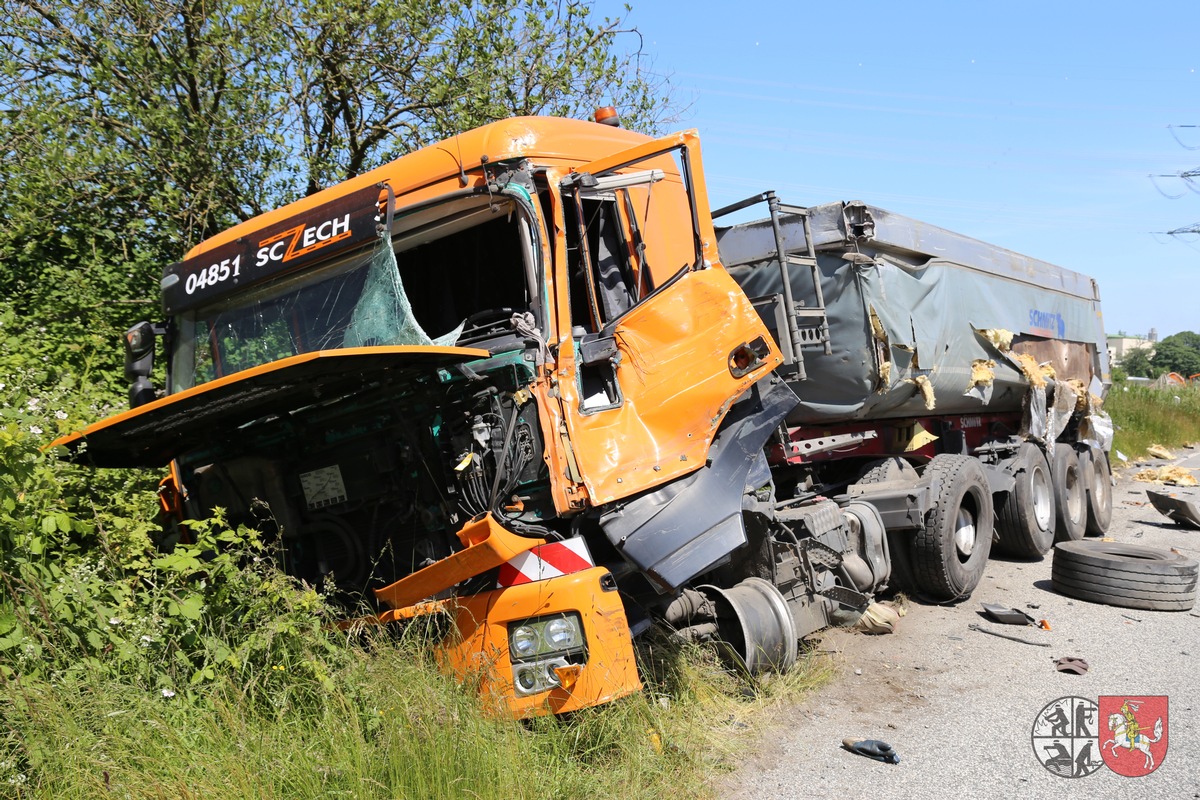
x=964, y=533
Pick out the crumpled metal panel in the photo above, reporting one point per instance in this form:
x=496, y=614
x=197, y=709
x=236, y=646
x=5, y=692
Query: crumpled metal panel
x=153, y=434
x=680, y=530
x=903, y=323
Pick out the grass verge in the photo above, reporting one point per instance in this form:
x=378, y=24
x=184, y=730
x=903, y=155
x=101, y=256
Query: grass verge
x=387, y=724
x=1144, y=416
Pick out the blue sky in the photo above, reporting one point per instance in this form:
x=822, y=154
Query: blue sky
x=1030, y=125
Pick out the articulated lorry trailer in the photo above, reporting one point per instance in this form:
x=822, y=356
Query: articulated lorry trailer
x=520, y=379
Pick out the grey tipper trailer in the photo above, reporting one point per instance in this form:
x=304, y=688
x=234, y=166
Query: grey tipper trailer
x=950, y=392
x=904, y=299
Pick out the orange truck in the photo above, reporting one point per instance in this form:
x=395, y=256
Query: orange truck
x=521, y=379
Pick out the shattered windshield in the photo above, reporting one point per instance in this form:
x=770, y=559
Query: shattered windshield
x=418, y=289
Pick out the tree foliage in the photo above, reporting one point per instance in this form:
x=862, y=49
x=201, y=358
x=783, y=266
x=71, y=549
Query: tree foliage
x=129, y=131
x=132, y=129
x=1178, y=353
x=187, y=115
x=1136, y=363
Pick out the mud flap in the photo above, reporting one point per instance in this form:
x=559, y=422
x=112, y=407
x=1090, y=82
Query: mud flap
x=686, y=527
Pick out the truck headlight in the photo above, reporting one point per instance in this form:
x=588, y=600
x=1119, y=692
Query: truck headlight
x=562, y=633
x=527, y=680
x=539, y=646
x=523, y=641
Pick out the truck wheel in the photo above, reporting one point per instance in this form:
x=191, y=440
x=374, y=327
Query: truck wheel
x=1025, y=522
x=1099, y=492
x=888, y=469
x=1070, y=495
x=951, y=551
x=1126, y=575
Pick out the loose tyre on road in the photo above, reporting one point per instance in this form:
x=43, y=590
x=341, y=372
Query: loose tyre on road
x=1070, y=495
x=1025, y=521
x=951, y=551
x=1126, y=575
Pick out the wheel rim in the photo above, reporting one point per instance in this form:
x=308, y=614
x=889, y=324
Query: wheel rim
x=1042, y=507
x=1099, y=482
x=964, y=533
x=1074, y=495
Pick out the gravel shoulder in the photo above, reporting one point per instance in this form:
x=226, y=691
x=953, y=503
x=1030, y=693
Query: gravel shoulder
x=959, y=705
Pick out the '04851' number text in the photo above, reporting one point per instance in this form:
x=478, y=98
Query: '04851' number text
x=216, y=273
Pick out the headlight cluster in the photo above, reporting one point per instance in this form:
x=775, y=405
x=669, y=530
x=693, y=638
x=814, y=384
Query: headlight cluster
x=537, y=646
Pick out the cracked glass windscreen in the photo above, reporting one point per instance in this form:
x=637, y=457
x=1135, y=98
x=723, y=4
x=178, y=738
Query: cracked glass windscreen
x=445, y=270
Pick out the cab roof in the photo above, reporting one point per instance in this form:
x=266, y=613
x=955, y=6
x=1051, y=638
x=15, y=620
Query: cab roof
x=548, y=141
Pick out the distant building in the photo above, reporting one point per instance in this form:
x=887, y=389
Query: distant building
x=1121, y=345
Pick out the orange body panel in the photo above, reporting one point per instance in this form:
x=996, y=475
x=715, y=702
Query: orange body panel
x=673, y=370
x=486, y=545
x=213, y=386
x=435, y=171
x=480, y=651
x=676, y=383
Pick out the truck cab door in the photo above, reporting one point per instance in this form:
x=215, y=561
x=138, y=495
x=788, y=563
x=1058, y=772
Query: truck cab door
x=657, y=340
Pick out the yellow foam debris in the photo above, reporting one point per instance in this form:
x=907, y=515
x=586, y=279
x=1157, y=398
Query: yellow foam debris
x=1158, y=451
x=877, y=326
x=878, y=618
x=1031, y=370
x=885, y=375
x=920, y=438
x=983, y=372
x=1081, y=394
x=1177, y=475
x=1000, y=338
x=926, y=388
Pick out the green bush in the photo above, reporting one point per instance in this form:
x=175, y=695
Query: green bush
x=206, y=672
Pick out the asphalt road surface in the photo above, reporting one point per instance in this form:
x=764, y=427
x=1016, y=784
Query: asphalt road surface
x=959, y=706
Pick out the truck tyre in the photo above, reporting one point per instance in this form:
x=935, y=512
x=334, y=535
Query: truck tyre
x=1098, y=474
x=1070, y=495
x=951, y=551
x=888, y=469
x=1025, y=520
x=1126, y=575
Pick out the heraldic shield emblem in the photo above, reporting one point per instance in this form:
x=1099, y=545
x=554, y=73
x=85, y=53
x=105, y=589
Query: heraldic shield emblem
x=1133, y=733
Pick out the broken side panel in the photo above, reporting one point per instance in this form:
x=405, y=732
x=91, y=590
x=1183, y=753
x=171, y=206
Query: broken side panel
x=687, y=527
x=646, y=375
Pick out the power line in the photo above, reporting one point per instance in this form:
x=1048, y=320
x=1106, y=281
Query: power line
x=1188, y=177
x=1172, y=128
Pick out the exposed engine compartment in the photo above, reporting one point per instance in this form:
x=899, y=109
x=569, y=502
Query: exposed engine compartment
x=365, y=489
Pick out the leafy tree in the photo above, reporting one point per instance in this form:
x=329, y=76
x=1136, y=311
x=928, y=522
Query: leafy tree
x=1178, y=353
x=1137, y=364
x=132, y=129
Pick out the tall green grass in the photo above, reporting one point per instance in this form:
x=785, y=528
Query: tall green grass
x=386, y=724
x=1144, y=416
x=205, y=672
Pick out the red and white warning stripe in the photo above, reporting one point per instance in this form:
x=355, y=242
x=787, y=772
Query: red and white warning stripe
x=546, y=561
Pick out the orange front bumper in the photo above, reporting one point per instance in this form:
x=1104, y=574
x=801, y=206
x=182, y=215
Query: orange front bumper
x=478, y=651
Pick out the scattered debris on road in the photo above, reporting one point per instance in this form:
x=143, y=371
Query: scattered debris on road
x=1181, y=507
x=872, y=748
x=1071, y=664
x=981, y=629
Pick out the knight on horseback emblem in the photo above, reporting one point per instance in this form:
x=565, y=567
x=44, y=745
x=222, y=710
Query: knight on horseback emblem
x=1127, y=749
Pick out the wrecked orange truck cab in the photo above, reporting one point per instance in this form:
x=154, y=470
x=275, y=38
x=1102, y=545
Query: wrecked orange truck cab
x=508, y=379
